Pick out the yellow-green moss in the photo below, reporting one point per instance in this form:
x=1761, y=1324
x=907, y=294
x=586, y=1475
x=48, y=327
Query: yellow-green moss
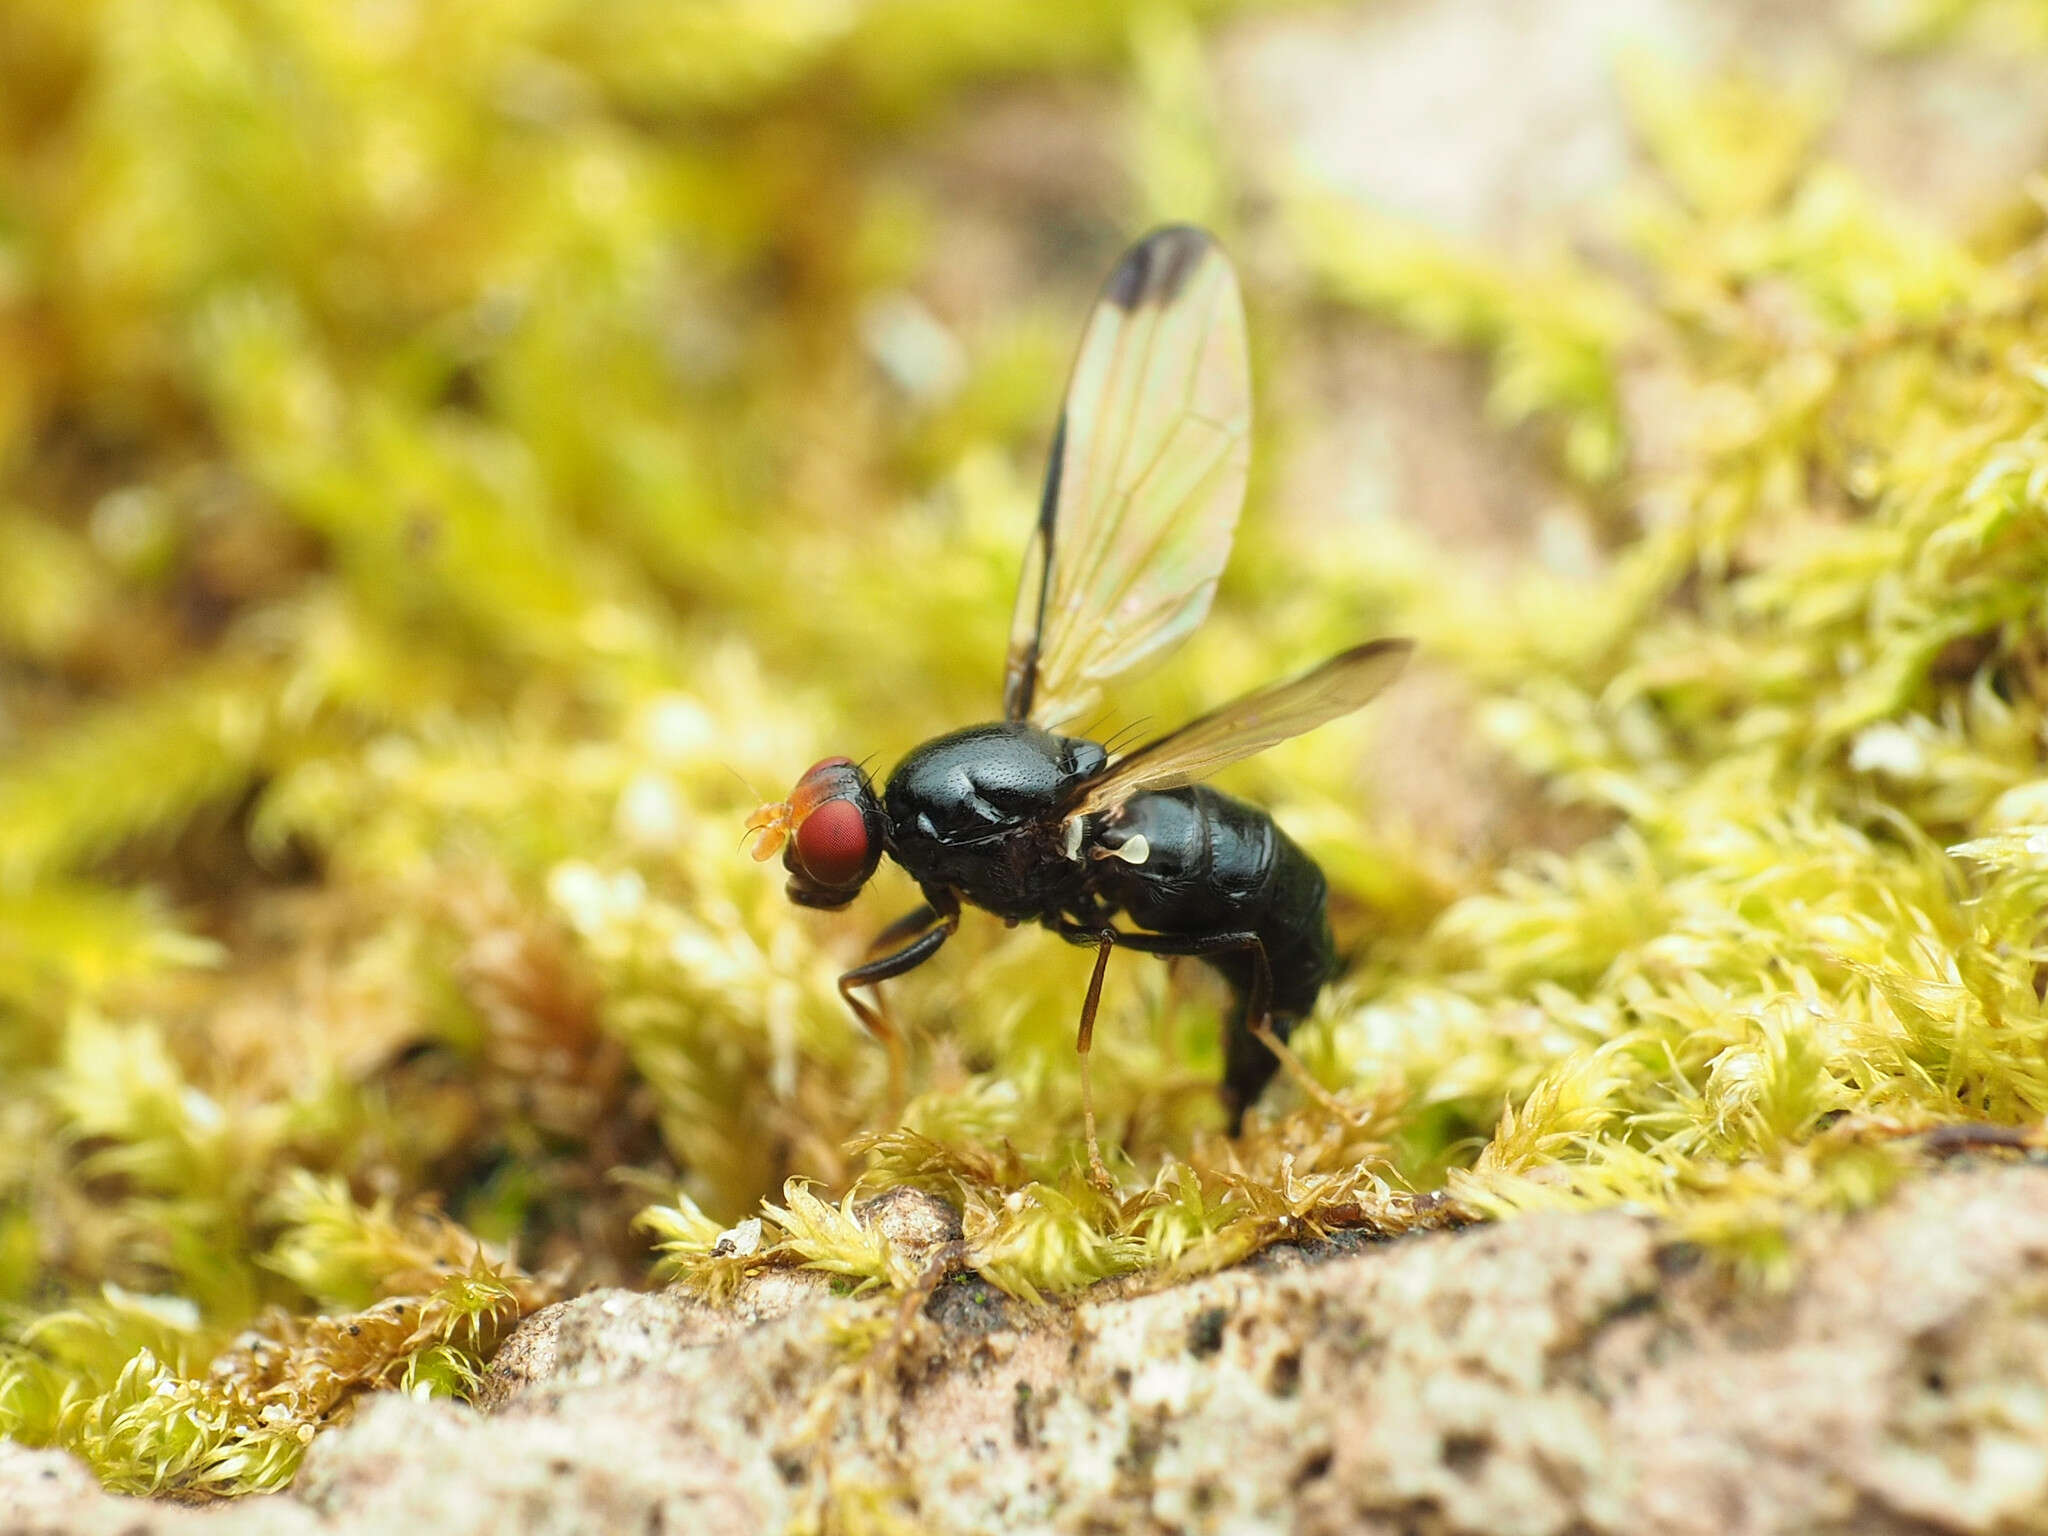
x=455, y=468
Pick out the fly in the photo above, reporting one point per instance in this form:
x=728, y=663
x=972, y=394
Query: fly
x=1142, y=495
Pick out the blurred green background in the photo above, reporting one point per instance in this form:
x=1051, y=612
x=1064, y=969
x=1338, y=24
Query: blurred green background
x=457, y=459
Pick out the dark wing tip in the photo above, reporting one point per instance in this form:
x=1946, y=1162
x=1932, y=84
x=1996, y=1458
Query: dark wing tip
x=1156, y=269
x=1396, y=649
x=1373, y=665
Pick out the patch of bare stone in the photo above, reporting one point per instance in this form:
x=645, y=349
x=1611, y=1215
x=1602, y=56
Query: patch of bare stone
x=1567, y=1374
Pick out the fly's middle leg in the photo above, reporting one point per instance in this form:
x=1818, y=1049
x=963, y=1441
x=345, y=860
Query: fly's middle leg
x=1103, y=939
x=1084, y=1042
x=1258, y=994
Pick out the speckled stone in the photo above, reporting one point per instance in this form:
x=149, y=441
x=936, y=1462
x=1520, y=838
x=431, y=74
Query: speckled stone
x=1559, y=1374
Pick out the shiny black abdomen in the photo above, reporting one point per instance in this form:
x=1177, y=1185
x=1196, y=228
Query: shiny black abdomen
x=974, y=811
x=1214, y=865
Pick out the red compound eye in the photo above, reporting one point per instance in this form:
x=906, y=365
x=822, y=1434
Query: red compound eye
x=832, y=843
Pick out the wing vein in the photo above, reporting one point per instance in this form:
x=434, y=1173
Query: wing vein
x=1136, y=538
x=1247, y=726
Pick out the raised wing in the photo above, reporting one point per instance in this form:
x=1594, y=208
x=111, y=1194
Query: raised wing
x=1248, y=725
x=1146, y=479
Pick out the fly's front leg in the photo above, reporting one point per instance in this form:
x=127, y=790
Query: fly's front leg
x=874, y=1017
x=919, y=935
x=908, y=926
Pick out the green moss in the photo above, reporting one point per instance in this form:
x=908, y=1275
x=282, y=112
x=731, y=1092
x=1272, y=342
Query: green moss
x=440, y=456
x=122, y=1379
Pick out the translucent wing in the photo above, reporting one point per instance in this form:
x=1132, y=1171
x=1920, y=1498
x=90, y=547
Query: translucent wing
x=1247, y=726
x=1146, y=479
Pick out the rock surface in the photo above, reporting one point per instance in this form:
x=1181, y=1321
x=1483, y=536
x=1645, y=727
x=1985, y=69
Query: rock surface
x=1557, y=1374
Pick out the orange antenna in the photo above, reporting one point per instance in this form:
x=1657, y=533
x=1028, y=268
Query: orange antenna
x=772, y=822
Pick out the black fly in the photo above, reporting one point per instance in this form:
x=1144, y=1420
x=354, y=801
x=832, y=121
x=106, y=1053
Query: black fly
x=1146, y=478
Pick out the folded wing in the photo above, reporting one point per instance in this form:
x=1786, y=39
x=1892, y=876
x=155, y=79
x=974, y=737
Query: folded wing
x=1247, y=726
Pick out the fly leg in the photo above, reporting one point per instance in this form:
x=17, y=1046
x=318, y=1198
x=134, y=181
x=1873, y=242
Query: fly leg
x=1258, y=1021
x=920, y=934
x=875, y=1017
x=1084, y=1041
x=1257, y=998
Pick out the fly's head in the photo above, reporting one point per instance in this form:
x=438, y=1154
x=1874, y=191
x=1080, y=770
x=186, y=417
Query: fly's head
x=830, y=830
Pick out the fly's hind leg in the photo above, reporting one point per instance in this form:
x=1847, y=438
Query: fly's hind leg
x=1261, y=1029
x=902, y=946
x=1248, y=1064
x=1242, y=1076
x=1241, y=1091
